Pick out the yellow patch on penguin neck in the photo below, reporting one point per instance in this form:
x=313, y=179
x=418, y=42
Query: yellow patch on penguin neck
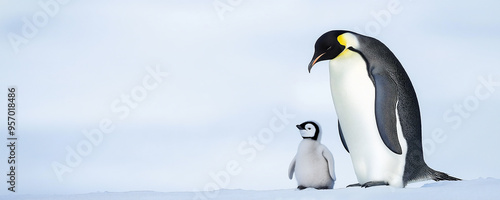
x=348, y=40
x=341, y=39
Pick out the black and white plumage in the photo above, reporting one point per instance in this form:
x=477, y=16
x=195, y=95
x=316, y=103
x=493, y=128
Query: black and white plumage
x=313, y=165
x=379, y=117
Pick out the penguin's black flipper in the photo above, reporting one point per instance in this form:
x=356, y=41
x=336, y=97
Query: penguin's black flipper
x=342, y=138
x=386, y=96
x=385, y=109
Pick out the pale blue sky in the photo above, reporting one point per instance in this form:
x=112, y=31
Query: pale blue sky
x=227, y=78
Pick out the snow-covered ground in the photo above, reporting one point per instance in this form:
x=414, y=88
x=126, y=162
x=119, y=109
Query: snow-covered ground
x=484, y=188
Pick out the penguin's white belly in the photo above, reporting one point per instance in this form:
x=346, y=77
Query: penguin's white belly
x=353, y=95
x=311, y=168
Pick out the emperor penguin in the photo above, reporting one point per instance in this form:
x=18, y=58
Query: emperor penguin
x=377, y=108
x=313, y=164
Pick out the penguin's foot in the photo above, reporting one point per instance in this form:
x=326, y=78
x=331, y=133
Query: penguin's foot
x=300, y=187
x=354, y=185
x=369, y=184
x=374, y=183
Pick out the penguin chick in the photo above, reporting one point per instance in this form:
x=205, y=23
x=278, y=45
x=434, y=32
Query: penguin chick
x=313, y=164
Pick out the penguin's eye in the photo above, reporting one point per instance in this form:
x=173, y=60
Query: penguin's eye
x=308, y=128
